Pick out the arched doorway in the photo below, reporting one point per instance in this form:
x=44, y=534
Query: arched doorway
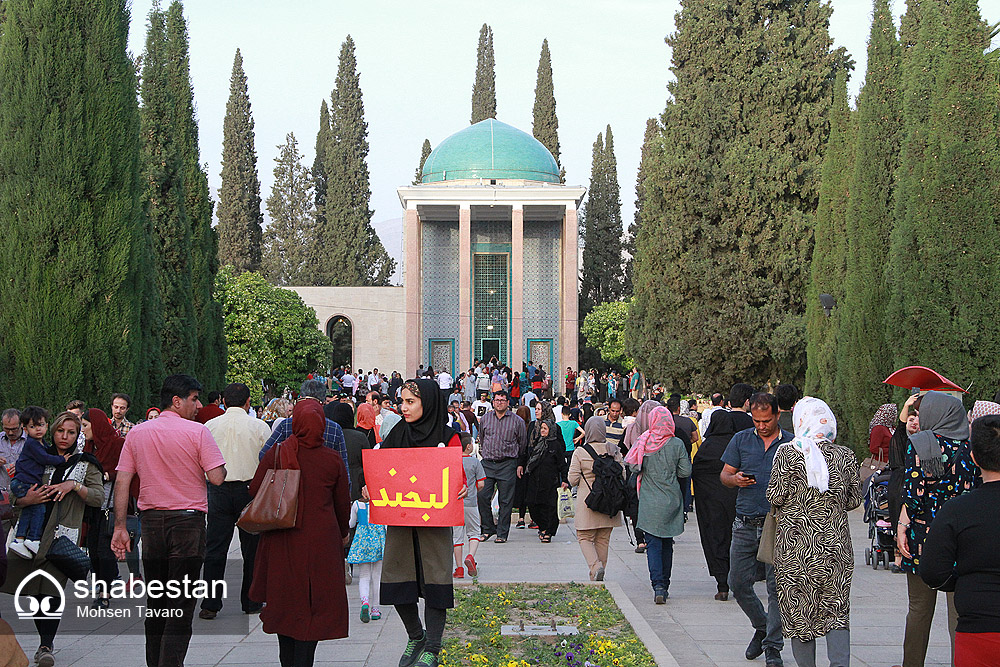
x=341, y=332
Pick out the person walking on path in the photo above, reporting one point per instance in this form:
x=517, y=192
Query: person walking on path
x=716, y=506
x=814, y=484
x=418, y=559
x=172, y=455
x=639, y=425
x=593, y=529
x=545, y=470
x=937, y=467
x=503, y=438
x=299, y=573
x=661, y=460
x=960, y=553
x=748, y=459
x=239, y=437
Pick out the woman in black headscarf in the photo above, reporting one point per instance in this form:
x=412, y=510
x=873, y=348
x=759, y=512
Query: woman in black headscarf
x=545, y=470
x=417, y=560
x=715, y=504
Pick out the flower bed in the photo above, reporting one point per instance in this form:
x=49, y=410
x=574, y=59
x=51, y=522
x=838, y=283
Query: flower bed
x=605, y=639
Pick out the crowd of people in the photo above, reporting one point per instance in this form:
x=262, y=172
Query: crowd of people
x=762, y=471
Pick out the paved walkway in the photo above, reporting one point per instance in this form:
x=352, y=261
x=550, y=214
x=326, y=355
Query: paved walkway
x=696, y=629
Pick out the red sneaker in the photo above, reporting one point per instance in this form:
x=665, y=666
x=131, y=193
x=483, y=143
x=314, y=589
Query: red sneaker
x=459, y=573
x=470, y=565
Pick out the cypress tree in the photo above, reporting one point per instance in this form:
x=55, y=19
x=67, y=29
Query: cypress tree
x=291, y=206
x=484, y=90
x=943, y=267
x=602, y=229
x=544, y=124
x=634, y=229
x=347, y=251
x=721, y=271
x=239, y=195
x=210, y=354
x=71, y=222
x=319, y=173
x=829, y=261
x=861, y=359
x=425, y=150
x=163, y=168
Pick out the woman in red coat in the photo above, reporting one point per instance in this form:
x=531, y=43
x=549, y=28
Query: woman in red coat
x=299, y=572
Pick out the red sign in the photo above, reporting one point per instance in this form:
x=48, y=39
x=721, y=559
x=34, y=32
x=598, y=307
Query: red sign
x=415, y=486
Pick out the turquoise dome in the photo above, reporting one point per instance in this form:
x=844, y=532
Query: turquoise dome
x=490, y=149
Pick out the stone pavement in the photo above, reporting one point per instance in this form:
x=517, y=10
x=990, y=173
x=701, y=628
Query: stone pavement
x=696, y=629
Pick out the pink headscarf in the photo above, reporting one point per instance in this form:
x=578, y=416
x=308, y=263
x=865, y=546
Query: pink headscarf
x=661, y=428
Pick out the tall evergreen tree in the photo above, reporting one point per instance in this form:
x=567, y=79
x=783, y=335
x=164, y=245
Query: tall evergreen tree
x=722, y=266
x=71, y=221
x=210, y=355
x=323, y=139
x=861, y=359
x=347, y=251
x=651, y=135
x=292, y=208
x=239, y=195
x=602, y=229
x=484, y=90
x=425, y=150
x=829, y=261
x=544, y=124
x=943, y=268
x=163, y=168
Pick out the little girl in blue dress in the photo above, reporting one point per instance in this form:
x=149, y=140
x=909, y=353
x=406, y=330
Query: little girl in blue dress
x=366, y=554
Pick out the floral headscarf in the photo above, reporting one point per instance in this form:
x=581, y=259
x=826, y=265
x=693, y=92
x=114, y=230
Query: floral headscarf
x=814, y=423
x=983, y=408
x=886, y=415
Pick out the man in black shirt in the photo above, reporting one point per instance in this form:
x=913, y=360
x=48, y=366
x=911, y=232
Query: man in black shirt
x=960, y=553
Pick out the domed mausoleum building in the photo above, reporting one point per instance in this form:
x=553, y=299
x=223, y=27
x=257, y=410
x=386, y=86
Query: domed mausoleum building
x=490, y=263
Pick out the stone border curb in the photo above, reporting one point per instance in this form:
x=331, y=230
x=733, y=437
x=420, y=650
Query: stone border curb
x=643, y=630
x=661, y=655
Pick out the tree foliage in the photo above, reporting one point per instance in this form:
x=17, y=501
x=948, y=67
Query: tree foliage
x=71, y=221
x=635, y=227
x=604, y=330
x=943, y=268
x=210, y=356
x=425, y=151
x=602, y=229
x=292, y=208
x=829, y=262
x=345, y=249
x=239, y=213
x=484, y=90
x=861, y=358
x=323, y=140
x=544, y=123
x=163, y=174
x=732, y=187
x=272, y=336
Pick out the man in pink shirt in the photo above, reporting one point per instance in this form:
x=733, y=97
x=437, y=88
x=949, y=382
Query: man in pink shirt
x=172, y=456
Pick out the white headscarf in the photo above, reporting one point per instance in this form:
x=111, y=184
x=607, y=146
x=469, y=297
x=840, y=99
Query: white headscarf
x=814, y=423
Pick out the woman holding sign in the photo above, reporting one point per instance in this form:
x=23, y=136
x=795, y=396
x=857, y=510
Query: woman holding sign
x=417, y=561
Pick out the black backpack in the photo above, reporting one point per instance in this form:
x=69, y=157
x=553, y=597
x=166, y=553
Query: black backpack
x=607, y=495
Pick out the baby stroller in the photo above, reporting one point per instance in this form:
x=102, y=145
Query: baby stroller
x=883, y=546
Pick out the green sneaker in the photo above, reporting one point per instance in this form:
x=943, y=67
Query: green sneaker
x=426, y=659
x=414, y=649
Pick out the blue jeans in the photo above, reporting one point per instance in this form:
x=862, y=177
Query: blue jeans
x=32, y=520
x=660, y=557
x=743, y=566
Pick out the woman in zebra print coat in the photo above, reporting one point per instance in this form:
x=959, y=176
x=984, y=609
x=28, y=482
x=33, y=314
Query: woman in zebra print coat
x=814, y=483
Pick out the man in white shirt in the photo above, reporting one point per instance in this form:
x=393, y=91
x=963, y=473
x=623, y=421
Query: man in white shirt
x=240, y=438
x=527, y=399
x=482, y=406
x=373, y=380
x=347, y=382
x=706, y=416
x=445, y=382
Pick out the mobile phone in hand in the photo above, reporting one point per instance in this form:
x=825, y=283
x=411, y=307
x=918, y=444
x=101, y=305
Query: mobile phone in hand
x=751, y=477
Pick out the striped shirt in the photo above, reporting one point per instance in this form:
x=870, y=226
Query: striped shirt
x=502, y=438
x=616, y=432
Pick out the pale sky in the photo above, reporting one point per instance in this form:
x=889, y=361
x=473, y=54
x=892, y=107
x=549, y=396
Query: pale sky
x=417, y=64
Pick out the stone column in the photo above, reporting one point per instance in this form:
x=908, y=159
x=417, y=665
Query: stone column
x=412, y=287
x=568, y=344
x=464, y=288
x=517, y=287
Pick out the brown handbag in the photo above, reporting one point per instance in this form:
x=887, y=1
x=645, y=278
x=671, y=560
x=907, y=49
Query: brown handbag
x=276, y=503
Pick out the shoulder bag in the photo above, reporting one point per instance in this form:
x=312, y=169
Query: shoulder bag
x=68, y=558
x=276, y=503
x=768, y=536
